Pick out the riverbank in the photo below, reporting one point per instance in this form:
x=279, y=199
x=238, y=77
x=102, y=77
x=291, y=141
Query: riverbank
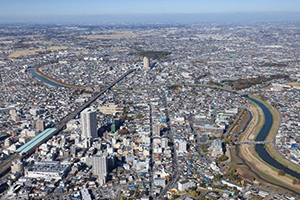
x=264, y=172
x=244, y=158
x=57, y=83
x=259, y=123
x=259, y=158
x=271, y=148
x=275, y=117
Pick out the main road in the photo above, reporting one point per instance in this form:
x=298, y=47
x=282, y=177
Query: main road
x=175, y=174
x=5, y=165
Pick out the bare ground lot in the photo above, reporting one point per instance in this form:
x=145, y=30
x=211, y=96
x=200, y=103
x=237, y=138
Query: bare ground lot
x=17, y=36
x=112, y=36
x=293, y=83
x=32, y=52
x=38, y=42
x=121, y=34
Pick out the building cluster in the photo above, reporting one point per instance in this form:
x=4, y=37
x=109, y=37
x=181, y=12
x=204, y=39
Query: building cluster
x=156, y=134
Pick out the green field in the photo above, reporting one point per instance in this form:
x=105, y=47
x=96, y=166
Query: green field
x=155, y=55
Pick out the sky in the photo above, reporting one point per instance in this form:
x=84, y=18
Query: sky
x=29, y=9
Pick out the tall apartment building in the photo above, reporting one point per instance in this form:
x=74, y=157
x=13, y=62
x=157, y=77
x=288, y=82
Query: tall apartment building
x=88, y=124
x=146, y=63
x=100, y=165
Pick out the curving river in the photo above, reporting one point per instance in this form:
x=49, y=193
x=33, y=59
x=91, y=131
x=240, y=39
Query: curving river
x=32, y=72
x=259, y=148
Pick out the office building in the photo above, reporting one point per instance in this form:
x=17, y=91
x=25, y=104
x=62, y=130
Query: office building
x=88, y=124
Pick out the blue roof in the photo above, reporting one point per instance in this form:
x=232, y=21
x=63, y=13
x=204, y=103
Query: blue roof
x=207, y=180
x=133, y=187
x=36, y=140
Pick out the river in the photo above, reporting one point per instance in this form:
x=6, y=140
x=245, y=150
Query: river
x=32, y=72
x=259, y=148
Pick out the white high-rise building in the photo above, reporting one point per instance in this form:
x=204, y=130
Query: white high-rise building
x=146, y=63
x=156, y=129
x=164, y=142
x=88, y=124
x=100, y=165
x=182, y=146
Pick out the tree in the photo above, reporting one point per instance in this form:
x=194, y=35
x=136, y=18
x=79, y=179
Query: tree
x=294, y=181
x=222, y=158
x=281, y=172
x=218, y=176
x=204, y=148
x=227, y=141
x=194, y=193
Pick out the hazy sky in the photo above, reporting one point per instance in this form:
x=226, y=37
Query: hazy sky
x=100, y=7
x=72, y=10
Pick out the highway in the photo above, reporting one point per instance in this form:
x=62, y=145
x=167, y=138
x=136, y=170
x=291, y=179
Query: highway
x=5, y=165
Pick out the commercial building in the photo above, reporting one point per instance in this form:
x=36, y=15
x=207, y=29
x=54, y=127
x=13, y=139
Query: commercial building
x=88, y=123
x=110, y=108
x=48, y=170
